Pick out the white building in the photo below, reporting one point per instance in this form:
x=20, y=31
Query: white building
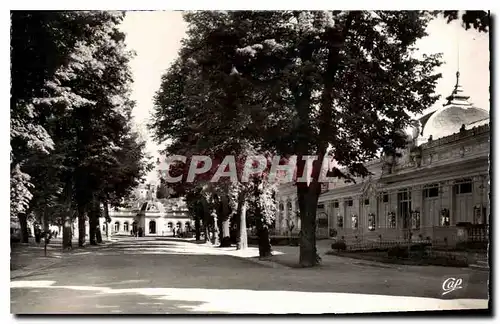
x=156, y=217
x=441, y=181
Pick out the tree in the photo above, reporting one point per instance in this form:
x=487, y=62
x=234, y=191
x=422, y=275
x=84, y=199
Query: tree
x=41, y=43
x=477, y=19
x=79, y=98
x=331, y=84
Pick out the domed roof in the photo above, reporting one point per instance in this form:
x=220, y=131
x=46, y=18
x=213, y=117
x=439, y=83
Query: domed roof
x=153, y=207
x=455, y=114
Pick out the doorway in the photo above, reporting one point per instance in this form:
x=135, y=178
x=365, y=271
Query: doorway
x=404, y=208
x=152, y=227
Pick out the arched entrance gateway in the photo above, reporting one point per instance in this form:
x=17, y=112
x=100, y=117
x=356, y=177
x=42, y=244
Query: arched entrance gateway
x=134, y=227
x=152, y=227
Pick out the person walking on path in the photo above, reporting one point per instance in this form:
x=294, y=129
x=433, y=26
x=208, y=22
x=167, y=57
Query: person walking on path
x=38, y=234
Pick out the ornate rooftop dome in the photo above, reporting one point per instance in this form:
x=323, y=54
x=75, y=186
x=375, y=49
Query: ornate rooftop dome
x=153, y=207
x=456, y=113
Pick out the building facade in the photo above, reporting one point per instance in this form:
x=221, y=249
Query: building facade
x=156, y=217
x=439, y=183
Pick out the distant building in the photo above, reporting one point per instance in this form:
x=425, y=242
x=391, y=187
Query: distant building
x=156, y=217
x=441, y=181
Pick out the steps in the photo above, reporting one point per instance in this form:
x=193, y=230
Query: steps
x=481, y=265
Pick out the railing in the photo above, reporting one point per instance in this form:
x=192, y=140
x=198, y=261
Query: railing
x=383, y=245
x=477, y=233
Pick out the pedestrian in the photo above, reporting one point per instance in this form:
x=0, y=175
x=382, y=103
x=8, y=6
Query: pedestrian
x=38, y=234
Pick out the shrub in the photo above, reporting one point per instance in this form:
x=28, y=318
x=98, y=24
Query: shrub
x=419, y=246
x=419, y=250
x=339, y=246
x=462, y=246
x=225, y=242
x=447, y=261
x=399, y=252
x=294, y=241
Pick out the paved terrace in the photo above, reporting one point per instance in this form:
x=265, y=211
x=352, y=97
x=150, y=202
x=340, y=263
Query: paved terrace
x=174, y=276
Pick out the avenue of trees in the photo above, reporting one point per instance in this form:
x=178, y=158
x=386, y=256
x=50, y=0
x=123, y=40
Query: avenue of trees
x=339, y=84
x=74, y=149
x=336, y=84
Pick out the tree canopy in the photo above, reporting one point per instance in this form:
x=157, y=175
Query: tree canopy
x=71, y=114
x=338, y=84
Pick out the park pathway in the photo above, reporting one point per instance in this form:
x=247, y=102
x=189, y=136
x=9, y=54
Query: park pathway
x=168, y=276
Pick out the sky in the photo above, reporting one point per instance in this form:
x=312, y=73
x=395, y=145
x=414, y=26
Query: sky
x=156, y=37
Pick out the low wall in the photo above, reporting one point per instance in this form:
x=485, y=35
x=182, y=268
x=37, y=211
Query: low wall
x=439, y=235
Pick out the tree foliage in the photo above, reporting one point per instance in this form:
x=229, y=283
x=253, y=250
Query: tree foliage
x=337, y=84
x=477, y=19
x=74, y=95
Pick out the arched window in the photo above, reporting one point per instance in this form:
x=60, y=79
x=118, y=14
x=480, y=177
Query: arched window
x=152, y=227
x=187, y=225
x=125, y=226
x=170, y=225
x=178, y=225
x=117, y=226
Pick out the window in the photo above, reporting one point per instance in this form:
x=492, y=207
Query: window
x=445, y=217
x=349, y=202
x=340, y=221
x=117, y=226
x=170, y=225
x=391, y=220
x=335, y=204
x=415, y=220
x=104, y=228
x=385, y=197
x=321, y=206
x=367, y=201
x=125, y=226
x=404, y=195
x=354, y=221
x=371, y=222
x=282, y=207
x=431, y=191
x=463, y=188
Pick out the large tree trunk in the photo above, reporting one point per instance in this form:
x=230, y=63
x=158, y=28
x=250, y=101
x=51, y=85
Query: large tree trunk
x=263, y=237
x=242, y=240
x=81, y=225
x=93, y=221
x=308, y=201
x=308, y=194
x=67, y=221
x=206, y=237
x=207, y=218
x=98, y=234
x=215, y=229
x=225, y=239
x=106, y=218
x=197, y=227
x=262, y=227
x=23, y=222
x=45, y=221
